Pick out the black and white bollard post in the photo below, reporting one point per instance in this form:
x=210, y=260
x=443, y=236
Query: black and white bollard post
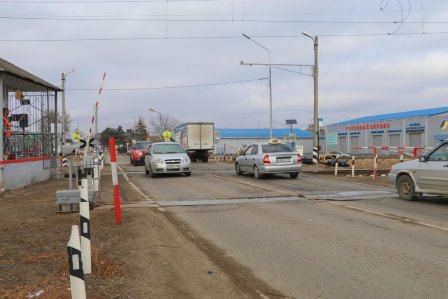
x=77, y=283
x=64, y=160
x=315, y=155
x=84, y=213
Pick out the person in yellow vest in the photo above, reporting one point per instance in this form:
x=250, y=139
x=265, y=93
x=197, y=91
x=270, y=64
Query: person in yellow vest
x=6, y=130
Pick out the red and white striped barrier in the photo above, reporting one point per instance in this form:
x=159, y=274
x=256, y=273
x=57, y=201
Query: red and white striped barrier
x=93, y=117
x=397, y=149
x=113, y=164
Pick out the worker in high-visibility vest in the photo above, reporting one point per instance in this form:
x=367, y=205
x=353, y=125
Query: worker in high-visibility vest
x=6, y=130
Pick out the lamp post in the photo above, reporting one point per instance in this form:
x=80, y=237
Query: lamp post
x=316, y=102
x=63, y=76
x=270, y=83
x=160, y=119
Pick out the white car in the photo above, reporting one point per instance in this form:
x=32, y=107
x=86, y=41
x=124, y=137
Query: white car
x=167, y=157
x=429, y=174
x=269, y=158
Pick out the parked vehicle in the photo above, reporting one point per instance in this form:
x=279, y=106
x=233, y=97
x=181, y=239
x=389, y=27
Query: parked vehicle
x=428, y=174
x=269, y=158
x=167, y=157
x=196, y=138
x=138, y=151
x=329, y=158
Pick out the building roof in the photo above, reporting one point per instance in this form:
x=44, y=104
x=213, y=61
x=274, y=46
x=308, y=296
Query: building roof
x=16, y=72
x=397, y=115
x=261, y=133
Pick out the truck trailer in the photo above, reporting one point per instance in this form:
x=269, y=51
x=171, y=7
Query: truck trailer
x=197, y=138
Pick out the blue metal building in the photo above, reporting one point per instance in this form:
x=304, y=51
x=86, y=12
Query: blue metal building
x=417, y=128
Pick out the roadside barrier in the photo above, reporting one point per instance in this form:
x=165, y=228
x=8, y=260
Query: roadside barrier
x=116, y=190
x=75, y=265
x=84, y=214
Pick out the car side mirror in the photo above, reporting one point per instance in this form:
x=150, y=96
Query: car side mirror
x=423, y=159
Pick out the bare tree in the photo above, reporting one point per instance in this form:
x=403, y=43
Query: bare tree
x=162, y=123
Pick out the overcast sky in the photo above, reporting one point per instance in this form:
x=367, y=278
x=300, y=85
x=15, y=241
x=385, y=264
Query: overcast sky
x=375, y=56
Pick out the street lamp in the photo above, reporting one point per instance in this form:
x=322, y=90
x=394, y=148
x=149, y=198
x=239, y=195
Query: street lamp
x=63, y=76
x=160, y=119
x=270, y=83
x=316, y=102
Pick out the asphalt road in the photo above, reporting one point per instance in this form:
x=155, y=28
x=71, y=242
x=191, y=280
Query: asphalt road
x=313, y=237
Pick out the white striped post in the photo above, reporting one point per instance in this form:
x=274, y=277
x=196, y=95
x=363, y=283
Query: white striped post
x=336, y=165
x=116, y=190
x=64, y=160
x=353, y=166
x=375, y=164
x=401, y=158
x=101, y=159
x=75, y=266
x=84, y=213
x=315, y=155
x=96, y=174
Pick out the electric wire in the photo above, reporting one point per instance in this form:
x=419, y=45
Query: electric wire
x=168, y=87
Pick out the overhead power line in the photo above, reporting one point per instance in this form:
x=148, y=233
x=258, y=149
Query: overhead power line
x=216, y=37
x=165, y=19
x=101, y=1
x=167, y=87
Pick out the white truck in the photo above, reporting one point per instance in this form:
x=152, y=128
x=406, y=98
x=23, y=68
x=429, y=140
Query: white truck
x=197, y=138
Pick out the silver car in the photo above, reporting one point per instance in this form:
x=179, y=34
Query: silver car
x=269, y=158
x=167, y=157
x=429, y=174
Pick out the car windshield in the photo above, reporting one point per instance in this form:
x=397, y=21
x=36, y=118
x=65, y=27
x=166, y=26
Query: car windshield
x=276, y=148
x=169, y=148
x=142, y=145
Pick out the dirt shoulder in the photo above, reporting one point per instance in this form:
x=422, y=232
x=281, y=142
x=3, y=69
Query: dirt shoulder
x=150, y=255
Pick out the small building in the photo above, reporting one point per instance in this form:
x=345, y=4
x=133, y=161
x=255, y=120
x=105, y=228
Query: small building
x=29, y=141
x=232, y=140
x=418, y=128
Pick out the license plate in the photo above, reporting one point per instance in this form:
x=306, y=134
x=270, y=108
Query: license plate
x=172, y=167
x=283, y=160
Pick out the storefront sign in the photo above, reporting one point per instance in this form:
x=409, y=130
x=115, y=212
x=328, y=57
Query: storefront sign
x=331, y=139
x=365, y=127
x=415, y=127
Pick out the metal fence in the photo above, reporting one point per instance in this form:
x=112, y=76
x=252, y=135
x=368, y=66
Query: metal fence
x=32, y=120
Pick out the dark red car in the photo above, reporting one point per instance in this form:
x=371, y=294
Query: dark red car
x=138, y=151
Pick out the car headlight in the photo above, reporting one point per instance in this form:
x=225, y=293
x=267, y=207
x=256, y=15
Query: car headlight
x=186, y=160
x=139, y=153
x=157, y=160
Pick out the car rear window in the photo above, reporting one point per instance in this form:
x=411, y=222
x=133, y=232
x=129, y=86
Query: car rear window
x=276, y=148
x=142, y=145
x=168, y=148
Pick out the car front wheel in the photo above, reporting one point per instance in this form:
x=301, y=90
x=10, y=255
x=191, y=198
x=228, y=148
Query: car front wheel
x=238, y=169
x=406, y=188
x=294, y=175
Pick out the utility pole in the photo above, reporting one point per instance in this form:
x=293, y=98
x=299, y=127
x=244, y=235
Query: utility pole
x=63, y=76
x=316, y=96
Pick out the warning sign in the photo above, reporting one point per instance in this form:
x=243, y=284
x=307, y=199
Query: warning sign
x=76, y=137
x=167, y=136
